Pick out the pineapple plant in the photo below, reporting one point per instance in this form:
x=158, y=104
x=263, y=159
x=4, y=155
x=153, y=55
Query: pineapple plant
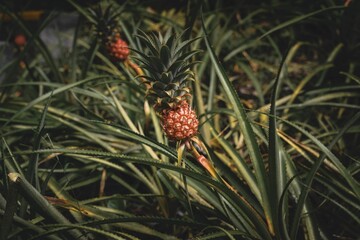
x=107, y=30
x=169, y=74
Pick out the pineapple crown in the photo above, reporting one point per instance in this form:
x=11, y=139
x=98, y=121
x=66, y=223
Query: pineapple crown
x=105, y=23
x=168, y=68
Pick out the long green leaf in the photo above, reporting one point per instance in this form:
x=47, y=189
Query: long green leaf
x=240, y=164
x=40, y=203
x=50, y=93
x=82, y=11
x=299, y=19
x=277, y=171
x=230, y=196
x=126, y=132
x=246, y=129
x=66, y=227
x=27, y=226
x=32, y=170
x=310, y=176
x=10, y=209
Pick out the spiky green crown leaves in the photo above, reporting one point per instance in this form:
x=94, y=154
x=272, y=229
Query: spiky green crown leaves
x=168, y=66
x=105, y=21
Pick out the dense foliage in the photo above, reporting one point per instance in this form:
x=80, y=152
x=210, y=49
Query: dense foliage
x=276, y=87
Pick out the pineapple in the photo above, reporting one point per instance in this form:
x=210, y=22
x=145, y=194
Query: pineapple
x=20, y=40
x=118, y=49
x=168, y=77
x=108, y=32
x=180, y=122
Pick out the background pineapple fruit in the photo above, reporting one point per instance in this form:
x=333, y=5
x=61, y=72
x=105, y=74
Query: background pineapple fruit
x=169, y=74
x=20, y=40
x=107, y=31
x=118, y=49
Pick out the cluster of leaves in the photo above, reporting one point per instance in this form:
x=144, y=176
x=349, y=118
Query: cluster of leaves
x=83, y=156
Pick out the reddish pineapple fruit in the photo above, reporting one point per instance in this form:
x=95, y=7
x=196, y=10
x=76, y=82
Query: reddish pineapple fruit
x=20, y=40
x=118, y=49
x=180, y=122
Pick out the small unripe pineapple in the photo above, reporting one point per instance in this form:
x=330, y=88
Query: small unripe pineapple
x=107, y=31
x=20, y=40
x=118, y=49
x=180, y=122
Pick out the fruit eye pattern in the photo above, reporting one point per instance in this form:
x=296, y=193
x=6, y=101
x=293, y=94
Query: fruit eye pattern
x=180, y=123
x=118, y=49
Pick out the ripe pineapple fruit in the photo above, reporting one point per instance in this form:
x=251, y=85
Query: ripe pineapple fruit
x=180, y=122
x=107, y=31
x=168, y=77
